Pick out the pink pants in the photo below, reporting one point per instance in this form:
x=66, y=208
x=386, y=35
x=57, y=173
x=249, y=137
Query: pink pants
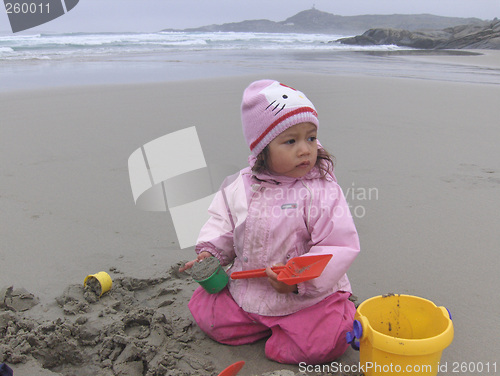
x=313, y=335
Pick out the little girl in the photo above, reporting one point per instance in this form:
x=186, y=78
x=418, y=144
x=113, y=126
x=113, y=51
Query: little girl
x=286, y=204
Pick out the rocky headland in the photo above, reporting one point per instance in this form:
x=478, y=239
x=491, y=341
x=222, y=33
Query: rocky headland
x=485, y=35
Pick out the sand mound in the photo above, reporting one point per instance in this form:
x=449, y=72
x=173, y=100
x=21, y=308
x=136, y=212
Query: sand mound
x=134, y=329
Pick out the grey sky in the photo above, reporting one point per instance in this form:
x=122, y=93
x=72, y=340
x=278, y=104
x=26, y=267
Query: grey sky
x=153, y=15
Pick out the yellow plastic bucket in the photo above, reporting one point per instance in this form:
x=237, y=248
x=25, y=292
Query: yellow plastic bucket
x=401, y=334
x=104, y=281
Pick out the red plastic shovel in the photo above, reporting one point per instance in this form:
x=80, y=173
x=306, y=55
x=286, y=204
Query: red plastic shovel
x=233, y=369
x=296, y=270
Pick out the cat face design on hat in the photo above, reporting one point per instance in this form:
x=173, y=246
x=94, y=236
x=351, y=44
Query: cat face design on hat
x=269, y=108
x=281, y=97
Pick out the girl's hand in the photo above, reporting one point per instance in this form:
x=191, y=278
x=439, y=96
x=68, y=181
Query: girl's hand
x=189, y=265
x=279, y=286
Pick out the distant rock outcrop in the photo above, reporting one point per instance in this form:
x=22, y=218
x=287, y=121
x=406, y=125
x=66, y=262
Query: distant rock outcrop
x=316, y=21
x=476, y=36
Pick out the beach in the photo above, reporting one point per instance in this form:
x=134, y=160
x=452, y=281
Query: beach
x=417, y=159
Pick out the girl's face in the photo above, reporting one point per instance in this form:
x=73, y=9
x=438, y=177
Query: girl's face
x=294, y=152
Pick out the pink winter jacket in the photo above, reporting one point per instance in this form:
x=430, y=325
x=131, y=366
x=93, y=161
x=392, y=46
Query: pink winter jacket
x=261, y=220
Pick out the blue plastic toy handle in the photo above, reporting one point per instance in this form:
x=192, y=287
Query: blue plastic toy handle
x=356, y=332
x=351, y=338
x=357, y=329
x=5, y=370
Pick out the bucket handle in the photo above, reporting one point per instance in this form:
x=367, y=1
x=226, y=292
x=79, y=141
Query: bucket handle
x=357, y=332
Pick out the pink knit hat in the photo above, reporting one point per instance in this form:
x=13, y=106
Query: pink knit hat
x=268, y=108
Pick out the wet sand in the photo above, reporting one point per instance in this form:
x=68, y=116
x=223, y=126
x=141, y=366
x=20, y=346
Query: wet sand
x=418, y=162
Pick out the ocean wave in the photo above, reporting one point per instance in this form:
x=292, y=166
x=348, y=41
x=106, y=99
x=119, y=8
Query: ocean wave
x=89, y=45
x=6, y=50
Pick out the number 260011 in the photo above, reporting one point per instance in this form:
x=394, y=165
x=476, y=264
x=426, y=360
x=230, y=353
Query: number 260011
x=25, y=8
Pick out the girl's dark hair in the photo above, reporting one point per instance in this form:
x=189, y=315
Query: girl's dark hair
x=325, y=162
